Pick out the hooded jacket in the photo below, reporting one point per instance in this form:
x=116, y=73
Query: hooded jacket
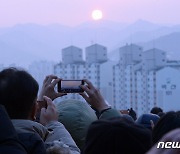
x=77, y=116
x=54, y=131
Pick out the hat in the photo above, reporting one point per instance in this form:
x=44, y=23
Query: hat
x=117, y=136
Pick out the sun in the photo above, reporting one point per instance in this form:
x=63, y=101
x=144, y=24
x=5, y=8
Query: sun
x=97, y=14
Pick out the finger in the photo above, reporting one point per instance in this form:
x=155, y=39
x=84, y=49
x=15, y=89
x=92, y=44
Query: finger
x=53, y=84
x=45, y=80
x=50, y=78
x=86, y=89
x=84, y=96
x=43, y=111
x=49, y=101
x=90, y=85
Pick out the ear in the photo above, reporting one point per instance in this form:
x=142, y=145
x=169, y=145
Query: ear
x=33, y=112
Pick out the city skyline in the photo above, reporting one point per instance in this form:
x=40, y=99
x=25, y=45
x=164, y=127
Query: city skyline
x=140, y=79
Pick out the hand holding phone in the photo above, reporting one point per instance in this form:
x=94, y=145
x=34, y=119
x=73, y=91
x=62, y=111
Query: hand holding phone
x=93, y=96
x=48, y=88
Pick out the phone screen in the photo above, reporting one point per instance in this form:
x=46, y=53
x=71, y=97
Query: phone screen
x=70, y=86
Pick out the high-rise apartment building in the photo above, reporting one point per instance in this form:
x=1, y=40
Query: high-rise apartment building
x=96, y=54
x=73, y=67
x=136, y=78
x=139, y=79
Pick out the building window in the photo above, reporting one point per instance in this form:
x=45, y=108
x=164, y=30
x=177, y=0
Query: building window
x=173, y=87
x=163, y=86
x=168, y=92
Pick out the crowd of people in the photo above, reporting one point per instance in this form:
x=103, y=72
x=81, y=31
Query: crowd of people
x=33, y=124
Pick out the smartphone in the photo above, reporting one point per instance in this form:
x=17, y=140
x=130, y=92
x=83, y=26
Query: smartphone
x=70, y=86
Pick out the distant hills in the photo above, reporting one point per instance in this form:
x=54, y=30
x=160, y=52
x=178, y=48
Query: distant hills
x=169, y=43
x=25, y=43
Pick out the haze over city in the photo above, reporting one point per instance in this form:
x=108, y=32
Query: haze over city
x=90, y=76
x=39, y=30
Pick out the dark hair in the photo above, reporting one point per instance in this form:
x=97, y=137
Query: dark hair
x=118, y=135
x=160, y=114
x=132, y=113
x=168, y=122
x=156, y=110
x=18, y=91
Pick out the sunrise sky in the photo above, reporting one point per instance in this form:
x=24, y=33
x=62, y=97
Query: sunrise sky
x=74, y=12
